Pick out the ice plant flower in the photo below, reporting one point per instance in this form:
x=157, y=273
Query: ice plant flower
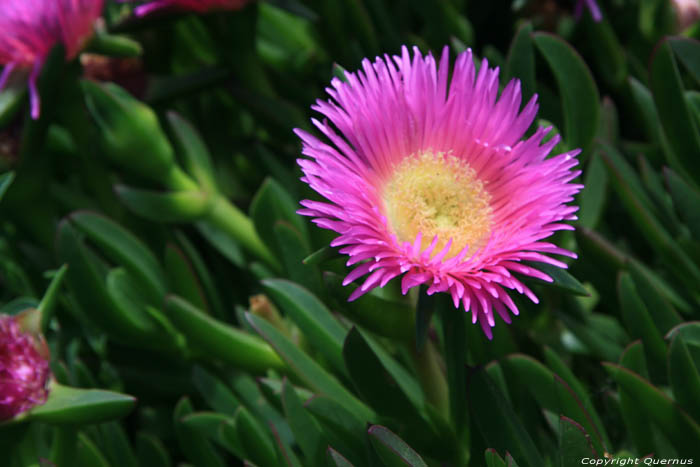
x=198, y=6
x=29, y=29
x=591, y=5
x=434, y=182
x=24, y=369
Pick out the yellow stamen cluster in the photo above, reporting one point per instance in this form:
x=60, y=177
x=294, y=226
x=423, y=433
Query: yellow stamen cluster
x=438, y=194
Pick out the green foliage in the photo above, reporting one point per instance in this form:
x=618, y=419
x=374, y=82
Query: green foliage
x=194, y=318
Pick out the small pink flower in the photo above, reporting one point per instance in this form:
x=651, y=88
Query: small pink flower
x=429, y=178
x=24, y=369
x=199, y=6
x=592, y=6
x=29, y=29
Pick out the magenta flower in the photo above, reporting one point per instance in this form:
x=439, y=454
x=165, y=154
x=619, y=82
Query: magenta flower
x=29, y=29
x=432, y=181
x=591, y=5
x=199, y=6
x=24, y=369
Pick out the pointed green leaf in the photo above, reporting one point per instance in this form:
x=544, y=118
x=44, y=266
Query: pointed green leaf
x=89, y=455
x=675, y=117
x=337, y=459
x=182, y=279
x=686, y=200
x=214, y=392
x=577, y=89
x=254, y=438
x=191, y=443
x=308, y=370
x=294, y=250
x=636, y=421
x=520, y=62
x=48, y=301
x=688, y=51
x=641, y=326
x=5, y=182
x=574, y=443
x=561, y=278
x=679, y=428
x=307, y=431
x=493, y=459
x=67, y=405
x=393, y=450
x=123, y=248
x=195, y=156
x=498, y=422
x=316, y=322
x=150, y=451
x=593, y=198
x=684, y=377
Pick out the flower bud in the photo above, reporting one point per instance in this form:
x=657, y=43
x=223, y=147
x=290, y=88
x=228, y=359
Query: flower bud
x=132, y=136
x=24, y=369
x=687, y=12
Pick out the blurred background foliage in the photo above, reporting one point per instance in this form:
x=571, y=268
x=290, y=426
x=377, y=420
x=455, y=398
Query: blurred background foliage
x=162, y=173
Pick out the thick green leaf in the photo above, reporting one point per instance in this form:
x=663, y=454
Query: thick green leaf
x=561, y=278
x=5, y=182
x=150, y=451
x=89, y=455
x=596, y=426
x=219, y=340
x=337, y=459
x=308, y=370
x=593, y=198
x=307, y=431
x=115, y=443
x=574, y=443
x=194, y=445
x=393, y=450
x=679, y=428
x=659, y=307
x=675, y=117
x=271, y=204
x=73, y=406
x=174, y=206
x=609, y=56
x=255, y=439
x=214, y=392
x=498, y=422
x=382, y=316
x=182, y=279
x=223, y=242
x=493, y=459
x=684, y=377
x=294, y=249
x=343, y=428
x=85, y=278
x=194, y=153
x=123, y=248
x=637, y=421
x=577, y=90
x=48, y=301
x=322, y=255
x=520, y=62
x=686, y=200
x=316, y=322
x=366, y=369
x=688, y=50
x=640, y=324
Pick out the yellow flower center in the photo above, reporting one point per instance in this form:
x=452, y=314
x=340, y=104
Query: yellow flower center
x=438, y=194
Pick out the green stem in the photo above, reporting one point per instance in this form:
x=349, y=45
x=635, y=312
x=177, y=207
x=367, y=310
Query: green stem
x=178, y=180
x=234, y=222
x=431, y=375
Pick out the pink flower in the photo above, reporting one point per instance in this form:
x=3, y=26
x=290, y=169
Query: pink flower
x=591, y=5
x=199, y=6
x=29, y=29
x=429, y=178
x=687, y=12
x=24, y=369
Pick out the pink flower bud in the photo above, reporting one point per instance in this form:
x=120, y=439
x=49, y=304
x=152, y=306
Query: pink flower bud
x=687, y=12
x=24, y=369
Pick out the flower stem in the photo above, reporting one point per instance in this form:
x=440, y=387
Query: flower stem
x=431, y=375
